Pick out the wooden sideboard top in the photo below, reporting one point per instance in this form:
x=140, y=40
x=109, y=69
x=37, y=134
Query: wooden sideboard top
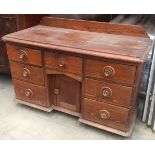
x=101, y=44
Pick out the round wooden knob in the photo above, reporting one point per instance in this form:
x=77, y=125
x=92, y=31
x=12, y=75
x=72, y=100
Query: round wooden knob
x=23, y=55
x=28, y=93
x=26, y=72
x=106, y=91
x=61, y=64
x=108, y=71
x=104, y=114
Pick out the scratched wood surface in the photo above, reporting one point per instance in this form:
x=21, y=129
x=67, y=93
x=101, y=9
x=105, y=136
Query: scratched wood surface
x=101, y=43
x=74, y=79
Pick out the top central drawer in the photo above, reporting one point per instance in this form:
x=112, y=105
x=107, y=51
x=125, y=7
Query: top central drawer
x=110, y=71
x=64, y=63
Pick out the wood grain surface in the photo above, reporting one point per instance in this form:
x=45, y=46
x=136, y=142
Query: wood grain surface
x=118, y=116
x=35, y=74
x=99, y=44
x=38, y=96
x=87, y=69
x=120, y=95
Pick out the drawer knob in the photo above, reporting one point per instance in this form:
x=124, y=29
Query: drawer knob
x=106, y=91
x=26, y=72
x=23, y=55
x=28, y=93
x=61, y=64
x=104, y=114
x=108, y=71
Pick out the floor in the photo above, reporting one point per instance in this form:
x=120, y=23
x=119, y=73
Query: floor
x=21, y=122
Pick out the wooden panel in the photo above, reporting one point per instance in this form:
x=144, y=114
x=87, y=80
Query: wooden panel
x=106, y=128
x=121, y=73
x=83, y=42
x=46, y=109
x=4, y=62
x=10, y=23
x=86, y=17
x=131, y=30
x=7, y=24
x=28, y=73
x=112, y=116
x=27, y=20
x=68, y=96
x=118, y=95
x=30, y=93
x=31, y=56
x=106, y=100
x=63, y=63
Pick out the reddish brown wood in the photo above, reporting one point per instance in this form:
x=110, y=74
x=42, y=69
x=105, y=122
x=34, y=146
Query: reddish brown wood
x=120, y=95
x=122, y=73
x=84, y=42
x=63, y=63
x=11, y=23
x=131, y=30
x=118, y=116
x=37, y=97
x=4, y=62
x=67, y=111
x=27, y=20
x=87, y=17
x=68, y=96
x=33, y=56
x=27, y=73
x=50, y=86
x=71, y=75
x=94, y=74
x=106, y=128
x=47, y=109
x=7, y=24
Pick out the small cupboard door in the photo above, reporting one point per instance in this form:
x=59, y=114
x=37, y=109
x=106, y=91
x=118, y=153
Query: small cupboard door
x=67, y=92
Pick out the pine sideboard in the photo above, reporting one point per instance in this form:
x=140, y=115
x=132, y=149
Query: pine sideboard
x=87, y=69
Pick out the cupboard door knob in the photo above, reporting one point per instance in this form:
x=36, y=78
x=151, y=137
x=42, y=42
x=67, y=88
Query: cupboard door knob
x=108, y=71
x=61, y=64
x=26, y=72
x=104, y=114
x=28, y=93
x=23, y=55
x=106, y=91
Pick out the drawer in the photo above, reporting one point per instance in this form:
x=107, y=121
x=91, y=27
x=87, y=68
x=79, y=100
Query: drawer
x=63, y=63
x=110, y=71
x=109, y=92
x=25, y=55
x=30, y=93
x=27, y=73
x=105, y=114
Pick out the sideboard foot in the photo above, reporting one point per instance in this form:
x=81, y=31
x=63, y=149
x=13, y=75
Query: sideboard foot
x=102, y=127
x=34, y=106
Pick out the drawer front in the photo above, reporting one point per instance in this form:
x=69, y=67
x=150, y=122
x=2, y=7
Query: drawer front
x=110, y=71
x=30, y=93
x=27, y=73
x=105, y=114
x=105, y=91
x=25, y=55
x=65, y=63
